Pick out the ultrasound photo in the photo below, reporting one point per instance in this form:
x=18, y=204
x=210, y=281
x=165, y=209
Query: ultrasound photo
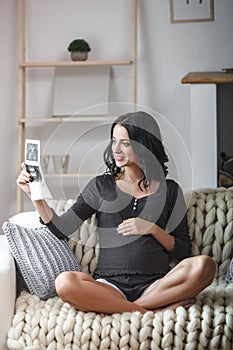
x=34, y=170
x=32, y=152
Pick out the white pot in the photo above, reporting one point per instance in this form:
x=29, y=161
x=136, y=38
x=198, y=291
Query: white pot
x=79, y=56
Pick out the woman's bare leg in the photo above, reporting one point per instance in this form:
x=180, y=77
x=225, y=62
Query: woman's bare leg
x=86, y=294
x=180, y=285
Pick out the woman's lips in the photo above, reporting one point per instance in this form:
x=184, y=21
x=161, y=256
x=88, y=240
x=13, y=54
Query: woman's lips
x=118, y=158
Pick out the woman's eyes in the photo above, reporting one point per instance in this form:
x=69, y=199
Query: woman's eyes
x=124, y=143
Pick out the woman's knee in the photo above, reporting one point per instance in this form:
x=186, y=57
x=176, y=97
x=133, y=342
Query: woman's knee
x=67, y=282
x=204, y=269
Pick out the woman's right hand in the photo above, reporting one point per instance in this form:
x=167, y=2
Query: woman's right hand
x=23, y=180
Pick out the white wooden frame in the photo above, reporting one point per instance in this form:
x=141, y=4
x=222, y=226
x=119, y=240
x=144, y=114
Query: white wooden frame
x=182, y=11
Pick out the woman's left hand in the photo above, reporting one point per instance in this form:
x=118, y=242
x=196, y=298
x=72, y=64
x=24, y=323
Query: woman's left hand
x=135, y=226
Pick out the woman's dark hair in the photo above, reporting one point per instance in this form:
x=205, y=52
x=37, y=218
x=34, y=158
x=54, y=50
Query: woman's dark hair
x=146, y=141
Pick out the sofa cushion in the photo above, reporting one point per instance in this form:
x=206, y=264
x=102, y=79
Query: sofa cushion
x=40, y=257
x=26, y=219
x=229, y=276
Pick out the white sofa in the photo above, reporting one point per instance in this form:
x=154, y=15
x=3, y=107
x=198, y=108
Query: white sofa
x=7, y=290
x=38, y=325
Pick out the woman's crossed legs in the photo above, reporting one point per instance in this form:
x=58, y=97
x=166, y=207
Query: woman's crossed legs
x=177, y=288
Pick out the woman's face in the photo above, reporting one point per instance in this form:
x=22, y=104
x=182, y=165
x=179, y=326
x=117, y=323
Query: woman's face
x=121, y=147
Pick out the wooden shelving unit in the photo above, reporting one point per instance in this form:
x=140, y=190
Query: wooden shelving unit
x=23, y=66
x=207, y=78
x=74, y=64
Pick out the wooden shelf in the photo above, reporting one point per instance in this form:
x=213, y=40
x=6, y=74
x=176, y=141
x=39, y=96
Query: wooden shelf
x=71, y=119
x=74, y=64
x=207, y=78
x=69, y=175
x=24, y=117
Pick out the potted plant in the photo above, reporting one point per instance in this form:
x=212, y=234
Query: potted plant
x=79, y=49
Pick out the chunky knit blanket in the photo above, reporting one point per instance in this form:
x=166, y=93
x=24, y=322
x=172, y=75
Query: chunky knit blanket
x=208, y=324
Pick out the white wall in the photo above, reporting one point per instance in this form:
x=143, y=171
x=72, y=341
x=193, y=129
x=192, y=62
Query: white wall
x=166, y=52
x=8, y=107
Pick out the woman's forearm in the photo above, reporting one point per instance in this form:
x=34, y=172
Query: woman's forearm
x=43, y=209
x=164, y=238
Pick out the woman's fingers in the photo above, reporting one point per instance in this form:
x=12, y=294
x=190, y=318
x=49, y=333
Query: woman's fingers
x=126, y=227
x=134, y=226
x=24, y=177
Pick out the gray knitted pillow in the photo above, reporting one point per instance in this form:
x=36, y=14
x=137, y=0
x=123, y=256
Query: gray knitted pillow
x=40, y=257
x=229, y=276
